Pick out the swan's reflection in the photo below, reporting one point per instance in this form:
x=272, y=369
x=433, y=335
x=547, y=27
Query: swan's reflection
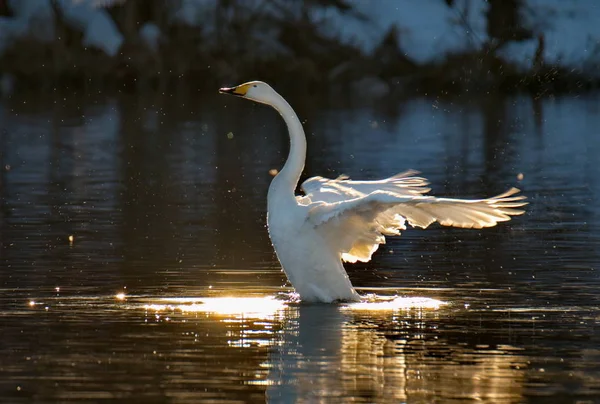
x=328, y=352
x=385, y=350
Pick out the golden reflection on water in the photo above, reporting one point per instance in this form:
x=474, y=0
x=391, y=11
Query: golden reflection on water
x=422, y=369
x=249, y=307
x=399, y=303
x=269, y=306
x=381, y=349
x=391, y=353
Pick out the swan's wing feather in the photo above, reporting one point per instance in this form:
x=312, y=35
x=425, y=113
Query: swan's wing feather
x=357, y=226
x=465, y=213
x=343, y=188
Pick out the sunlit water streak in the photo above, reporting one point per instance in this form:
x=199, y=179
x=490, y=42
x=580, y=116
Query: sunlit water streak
x=249, y=307
x=270, y=305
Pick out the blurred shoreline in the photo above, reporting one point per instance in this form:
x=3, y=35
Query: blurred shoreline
x=290, y=48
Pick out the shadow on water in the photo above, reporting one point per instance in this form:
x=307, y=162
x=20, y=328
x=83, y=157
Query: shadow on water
x=162, y=199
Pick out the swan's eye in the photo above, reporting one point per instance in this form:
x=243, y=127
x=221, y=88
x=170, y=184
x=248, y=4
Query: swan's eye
x=255, y=86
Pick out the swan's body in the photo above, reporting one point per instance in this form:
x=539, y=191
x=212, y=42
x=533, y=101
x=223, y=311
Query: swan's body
x=347, y=220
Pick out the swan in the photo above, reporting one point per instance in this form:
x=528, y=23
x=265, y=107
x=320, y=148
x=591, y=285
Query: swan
x=344, y=220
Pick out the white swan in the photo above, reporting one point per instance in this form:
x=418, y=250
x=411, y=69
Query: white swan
x=347, y=220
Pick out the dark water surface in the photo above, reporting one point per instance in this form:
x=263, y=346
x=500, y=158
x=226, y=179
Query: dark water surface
x=135, y=265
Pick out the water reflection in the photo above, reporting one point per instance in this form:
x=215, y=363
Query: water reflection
x=161, y=202
x=413, y=349
x=389, y=357
x=155, y=190
x=321, y=353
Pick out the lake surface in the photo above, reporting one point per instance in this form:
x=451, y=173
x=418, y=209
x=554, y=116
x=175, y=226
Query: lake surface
x=135, y=264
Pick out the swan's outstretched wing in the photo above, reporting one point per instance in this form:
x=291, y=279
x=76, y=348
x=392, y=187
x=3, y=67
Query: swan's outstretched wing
x=343, y=188
x=357, y=226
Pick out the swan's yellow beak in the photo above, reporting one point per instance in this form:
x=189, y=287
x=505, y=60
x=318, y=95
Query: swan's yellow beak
x=240, y=90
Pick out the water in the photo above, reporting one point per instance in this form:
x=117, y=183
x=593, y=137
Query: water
x=135, y=263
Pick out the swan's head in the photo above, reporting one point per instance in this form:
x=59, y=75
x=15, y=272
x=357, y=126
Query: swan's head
x=252, y=90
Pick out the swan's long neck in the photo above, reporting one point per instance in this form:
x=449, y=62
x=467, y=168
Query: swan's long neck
x=289, y=175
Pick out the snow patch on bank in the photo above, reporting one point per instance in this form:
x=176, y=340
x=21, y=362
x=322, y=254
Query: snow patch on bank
x=571, y=31
x=428, y=29
x=99, y=30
